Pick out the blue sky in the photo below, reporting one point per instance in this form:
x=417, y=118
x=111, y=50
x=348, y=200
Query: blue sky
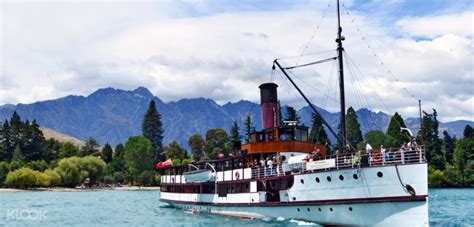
x=224, y=49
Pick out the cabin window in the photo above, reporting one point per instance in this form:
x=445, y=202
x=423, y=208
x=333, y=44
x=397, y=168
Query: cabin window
x=301, y=135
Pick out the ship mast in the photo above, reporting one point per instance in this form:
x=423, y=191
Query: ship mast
x=340, y=49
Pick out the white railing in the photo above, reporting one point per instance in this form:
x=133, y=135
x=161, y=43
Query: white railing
x=267, y=171
x=355, y=160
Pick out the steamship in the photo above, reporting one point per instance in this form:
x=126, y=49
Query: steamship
x=279, y=173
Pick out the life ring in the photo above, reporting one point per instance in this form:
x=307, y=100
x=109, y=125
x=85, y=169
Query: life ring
x=377, y=157
x=237, y=175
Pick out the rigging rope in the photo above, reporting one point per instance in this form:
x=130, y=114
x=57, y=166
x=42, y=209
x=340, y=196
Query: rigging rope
x=351, y=61
x=382, y=65
x=314, y=32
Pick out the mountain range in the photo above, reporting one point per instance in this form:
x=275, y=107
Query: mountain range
x=113, y=115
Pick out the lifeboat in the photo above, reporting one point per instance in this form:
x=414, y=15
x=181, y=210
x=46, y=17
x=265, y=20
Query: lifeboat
x=199, y=176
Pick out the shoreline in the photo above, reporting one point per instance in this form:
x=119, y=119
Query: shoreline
x=59, y=189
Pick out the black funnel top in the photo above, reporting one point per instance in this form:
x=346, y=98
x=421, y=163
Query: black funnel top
x=268, y=92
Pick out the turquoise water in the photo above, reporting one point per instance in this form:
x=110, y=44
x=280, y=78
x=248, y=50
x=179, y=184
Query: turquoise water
x=446, y=207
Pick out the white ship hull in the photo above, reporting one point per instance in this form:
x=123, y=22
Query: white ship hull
x=371, y=199
x=371, y=214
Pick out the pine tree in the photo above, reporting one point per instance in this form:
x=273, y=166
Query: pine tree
x=152, y=129
x=18, y=155
x=468, y=132
x=32, y=140
x=6, y=145
x=196, y=143
x=429, y=136
x=235, y=141
x=106, y=153
x=394, y=130
x=318, y=134
x=16, y=127
x=354, y=134
x=248, y=124
x=448, y=147
x=291, y=115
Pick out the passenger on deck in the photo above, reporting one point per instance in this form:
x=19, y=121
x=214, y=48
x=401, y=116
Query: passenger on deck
x=316, y=154
x=368, y=148
x=404, y=147
x=270, y=166
x=356, y=159
x=383, y=151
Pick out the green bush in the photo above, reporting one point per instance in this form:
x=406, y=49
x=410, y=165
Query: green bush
x=43, y=180
x=22, y=178
x=55, y=179
x=436, y=178
x=71, y=172
x=75, y=170
x=95, y=168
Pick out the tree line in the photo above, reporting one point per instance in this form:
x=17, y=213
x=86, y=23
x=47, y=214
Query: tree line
x=27, y=159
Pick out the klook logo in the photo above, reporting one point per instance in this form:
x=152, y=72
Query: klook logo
x=26, y=214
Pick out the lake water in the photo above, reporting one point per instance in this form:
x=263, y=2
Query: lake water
x=446, y=207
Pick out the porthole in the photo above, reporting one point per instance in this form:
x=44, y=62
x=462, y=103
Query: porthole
x=350, y=208
x=328, y=178
x=302, y=181
x=355, y=176
x=379, y=174
x=317, y=179
x=308, y=209
x=298, y=209
x=294, y=198
x=341, y=177
x=252, y=200
x=319, y=209
x=331, y=209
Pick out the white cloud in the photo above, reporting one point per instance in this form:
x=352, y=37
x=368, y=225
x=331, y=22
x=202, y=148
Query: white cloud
x=56, y=49
x=433, y=26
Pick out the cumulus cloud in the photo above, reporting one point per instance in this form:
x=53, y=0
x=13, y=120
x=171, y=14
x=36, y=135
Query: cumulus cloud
x=433, y=26
x=196, y=49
